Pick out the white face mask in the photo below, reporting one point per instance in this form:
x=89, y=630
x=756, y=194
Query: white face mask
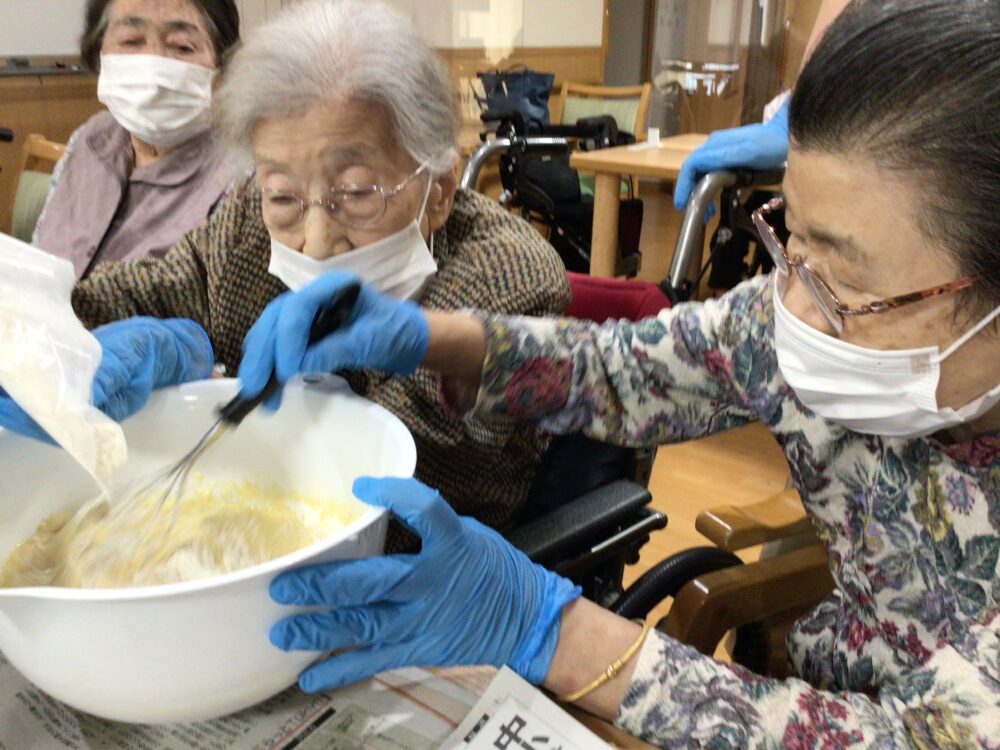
x=162, y=101
x=876, y=392
x=398, y=265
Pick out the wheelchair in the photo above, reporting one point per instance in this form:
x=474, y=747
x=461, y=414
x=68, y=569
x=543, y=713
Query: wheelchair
x=538, y=182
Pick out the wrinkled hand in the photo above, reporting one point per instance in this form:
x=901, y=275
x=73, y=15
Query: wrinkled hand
x=763, y=146
x=468, y=597
x=137, y=355
x=381, y=334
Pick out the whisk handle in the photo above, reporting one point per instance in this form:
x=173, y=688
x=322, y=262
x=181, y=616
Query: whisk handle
x=327, y=320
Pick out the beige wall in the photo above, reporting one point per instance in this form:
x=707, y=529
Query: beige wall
x=52, y=27
x=561, y=36
x=456, y=24
x=563, y=23
x=40, y=27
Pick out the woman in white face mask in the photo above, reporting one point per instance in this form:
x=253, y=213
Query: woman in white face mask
x=134, y=179
x=872, y=354
x=350, y=123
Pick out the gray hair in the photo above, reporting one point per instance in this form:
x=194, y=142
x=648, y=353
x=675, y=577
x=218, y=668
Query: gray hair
x=331, y=51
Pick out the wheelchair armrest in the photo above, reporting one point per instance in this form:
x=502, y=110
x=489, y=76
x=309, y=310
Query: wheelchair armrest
x=714, y=603
x=561, y=531
x=668, y=577
x=510, y=122
x=570, y=131
x=733, y=528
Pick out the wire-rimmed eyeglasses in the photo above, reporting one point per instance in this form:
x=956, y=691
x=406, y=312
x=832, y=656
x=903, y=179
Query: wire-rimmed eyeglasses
x=356, y=206
x=833, y=310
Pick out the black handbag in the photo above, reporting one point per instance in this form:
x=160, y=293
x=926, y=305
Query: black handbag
x=519, y=90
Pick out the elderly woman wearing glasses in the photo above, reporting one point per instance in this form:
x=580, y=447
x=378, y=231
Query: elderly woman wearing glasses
x=350, y=123
x=871, y=354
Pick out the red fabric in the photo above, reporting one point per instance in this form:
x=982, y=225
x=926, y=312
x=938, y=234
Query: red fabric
x=600, y=299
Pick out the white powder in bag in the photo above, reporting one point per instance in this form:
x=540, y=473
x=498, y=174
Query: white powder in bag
x=48, y=359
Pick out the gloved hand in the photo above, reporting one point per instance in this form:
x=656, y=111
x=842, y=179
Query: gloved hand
x=141, y=354
x=138, y=355
x=468, y=597
x=381, y=334
x=763, y=146
x=13, y=418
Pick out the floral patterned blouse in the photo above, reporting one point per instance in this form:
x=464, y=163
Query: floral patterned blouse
x=906, y=652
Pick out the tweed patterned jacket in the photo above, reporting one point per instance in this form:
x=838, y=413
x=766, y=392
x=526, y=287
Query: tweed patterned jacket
x=487, y=258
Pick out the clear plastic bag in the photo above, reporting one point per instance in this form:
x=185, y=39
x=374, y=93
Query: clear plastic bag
x=48, y=359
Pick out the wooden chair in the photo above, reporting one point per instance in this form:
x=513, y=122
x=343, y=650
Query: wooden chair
x=714, y=593
x=38, y=160
x=629, y=105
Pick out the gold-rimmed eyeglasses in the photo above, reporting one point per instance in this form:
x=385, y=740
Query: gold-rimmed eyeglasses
x=833, y=310
x=356, y=206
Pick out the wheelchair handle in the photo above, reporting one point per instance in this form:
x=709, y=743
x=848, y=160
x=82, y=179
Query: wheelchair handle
x=470, y=174
x=531, y=143
x=686, y=263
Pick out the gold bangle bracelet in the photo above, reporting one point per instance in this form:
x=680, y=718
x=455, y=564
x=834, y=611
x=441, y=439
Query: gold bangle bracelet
x=613, y=668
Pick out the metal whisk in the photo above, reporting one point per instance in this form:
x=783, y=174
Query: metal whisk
x=171, y=481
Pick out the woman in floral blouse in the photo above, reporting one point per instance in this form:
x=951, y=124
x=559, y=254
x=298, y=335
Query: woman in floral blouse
x=872, y=357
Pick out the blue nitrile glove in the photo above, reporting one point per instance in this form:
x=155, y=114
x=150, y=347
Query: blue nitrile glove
x=140, y=354
x=468, y=597
x=381, y=333
x=137, y=355
x=13, y=418
x=762, y=146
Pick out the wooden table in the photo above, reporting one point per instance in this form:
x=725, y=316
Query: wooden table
x=610, y=165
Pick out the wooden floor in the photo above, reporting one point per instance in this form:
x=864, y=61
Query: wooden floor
x=737, y=467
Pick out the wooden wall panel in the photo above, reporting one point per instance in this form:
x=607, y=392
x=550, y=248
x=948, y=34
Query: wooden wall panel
x=54, y=106
x=800, y=18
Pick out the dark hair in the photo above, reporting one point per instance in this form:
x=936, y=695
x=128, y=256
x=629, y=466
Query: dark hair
x=221, y=17
x=914, y=85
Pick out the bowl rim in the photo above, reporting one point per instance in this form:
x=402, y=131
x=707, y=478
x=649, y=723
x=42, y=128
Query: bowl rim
x=370, y=516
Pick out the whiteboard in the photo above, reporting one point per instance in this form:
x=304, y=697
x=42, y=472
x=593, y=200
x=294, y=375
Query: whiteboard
x=40, y=27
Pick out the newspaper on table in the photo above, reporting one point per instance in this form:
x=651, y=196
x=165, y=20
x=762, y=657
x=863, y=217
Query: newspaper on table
x=408, y=709
x=513, y=714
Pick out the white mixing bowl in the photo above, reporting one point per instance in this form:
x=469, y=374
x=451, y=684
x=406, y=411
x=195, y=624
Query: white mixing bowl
x=197, y=650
